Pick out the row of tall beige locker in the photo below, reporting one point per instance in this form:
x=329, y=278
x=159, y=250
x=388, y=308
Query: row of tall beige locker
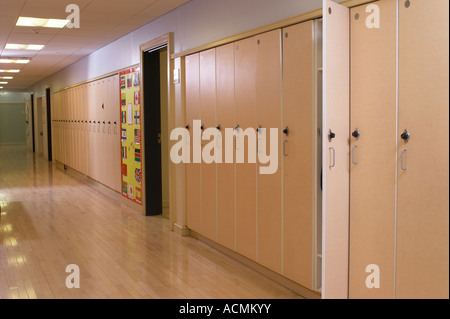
x=267, y=218
x=86, y=130
x=399, y=171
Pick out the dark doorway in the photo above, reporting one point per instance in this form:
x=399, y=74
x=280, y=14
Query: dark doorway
x=49, y=124
x=151, y=78
x=32, y=121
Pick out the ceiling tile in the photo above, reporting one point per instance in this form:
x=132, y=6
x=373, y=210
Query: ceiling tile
x=102, y=22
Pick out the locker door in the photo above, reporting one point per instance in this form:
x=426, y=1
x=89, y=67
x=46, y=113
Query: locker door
x=85, y=127
x=373, y=123
x=71, y=128
x=226, y=214
x=80, y=128
x=66, y=126
x=335, y=205
x=102, y=156
x=68, y=109
x=77, y=127
x=208, y=116
x=109, y=156
x=115, y=123
x=245, y=92
x=55, y=104
x=423, y=187
x=91, y=133
x=268, y=102
x=297, y=150
x=109, y=160
x=99, y=166
x=60, y=127
x=193, y=171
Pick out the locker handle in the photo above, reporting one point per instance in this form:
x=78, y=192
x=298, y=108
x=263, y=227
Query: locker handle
x=237, y=128
x=104, y=122
x=115, y=123
x=353, y=155
x=188, y=127
x=334, y=157
x=403, y=159
x=202, y=127
x=286, y=131
x=259, y=129
x=356, y=134
x=219, y=128
x=284, y=148
x=109, y=122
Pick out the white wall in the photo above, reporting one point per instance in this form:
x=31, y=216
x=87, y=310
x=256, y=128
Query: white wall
x=13, y=97
x=196, y=23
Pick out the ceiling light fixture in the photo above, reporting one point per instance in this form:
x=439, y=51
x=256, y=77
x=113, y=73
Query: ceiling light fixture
x=1, y=87
x=9, y=71
x=19, y=61
x=3, y=82
x=6, y=77
x=33, y=47
x=44, y=23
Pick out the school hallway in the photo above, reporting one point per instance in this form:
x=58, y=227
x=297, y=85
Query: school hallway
x=52, y=218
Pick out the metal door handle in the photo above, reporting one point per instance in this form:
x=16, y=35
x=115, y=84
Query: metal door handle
x=334, y=157
x=353, y=155
x=403, y=159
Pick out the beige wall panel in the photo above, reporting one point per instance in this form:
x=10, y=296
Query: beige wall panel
x=245, y=91
x=336, y=179
x=193, y=171
x=226, y=204
x=208, y=116
x=298, y=159
x=423, y=201
x=268, y=102
x=372, y=180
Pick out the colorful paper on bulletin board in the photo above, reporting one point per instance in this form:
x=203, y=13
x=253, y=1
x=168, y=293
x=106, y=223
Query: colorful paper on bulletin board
x=130, y=101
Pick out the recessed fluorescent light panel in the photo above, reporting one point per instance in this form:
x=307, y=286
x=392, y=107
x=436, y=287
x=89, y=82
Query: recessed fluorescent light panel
x=6, y=77
x=3, y=82
x=9, y=71
x=19, y=61
x=1, y=87
x=32, y=47
x=44, y=23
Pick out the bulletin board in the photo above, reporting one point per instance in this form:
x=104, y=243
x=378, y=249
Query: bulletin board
x=130, y=100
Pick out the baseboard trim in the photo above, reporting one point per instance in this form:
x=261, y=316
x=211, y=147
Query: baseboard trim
x=289, y=284
x=182, y=231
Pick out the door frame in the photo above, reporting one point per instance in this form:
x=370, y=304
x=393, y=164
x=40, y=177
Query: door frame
x=32, y=123
x=165, y=40
x=49, y=124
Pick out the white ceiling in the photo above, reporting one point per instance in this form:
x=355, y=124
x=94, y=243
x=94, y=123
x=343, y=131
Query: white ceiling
x=102, y=22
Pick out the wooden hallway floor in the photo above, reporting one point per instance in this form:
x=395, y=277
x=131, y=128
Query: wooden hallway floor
x=52, y=218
